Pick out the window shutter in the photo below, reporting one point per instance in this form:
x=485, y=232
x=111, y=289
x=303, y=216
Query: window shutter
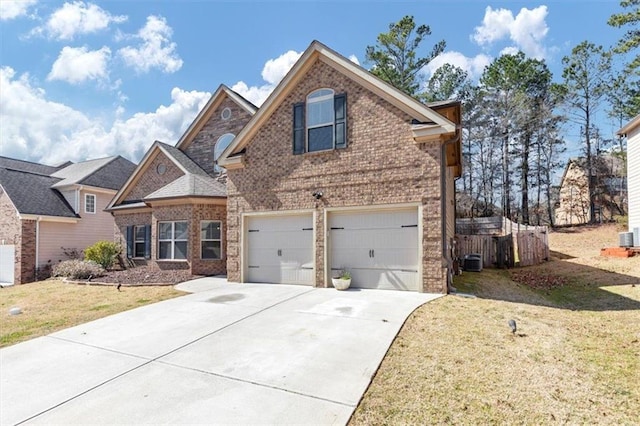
x=298, y=128
x=147, y=241
x=129, y=242
x=340, y=108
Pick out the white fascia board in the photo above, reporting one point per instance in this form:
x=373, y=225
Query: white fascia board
x=428, y=132
x=635, y=122
x=43, y=218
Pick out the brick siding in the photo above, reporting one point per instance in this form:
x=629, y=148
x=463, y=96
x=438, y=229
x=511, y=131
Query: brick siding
x=193, y=214
x=382, y=165
x=200, y=150
x=151, y=181
x=11, y=232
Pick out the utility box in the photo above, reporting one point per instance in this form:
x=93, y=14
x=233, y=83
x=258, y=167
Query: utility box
x=473, y=262
x=626, y=239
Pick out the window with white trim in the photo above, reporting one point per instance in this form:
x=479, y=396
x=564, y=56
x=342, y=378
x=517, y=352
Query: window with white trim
x=89, y=203
x=221, y=144
x=173, y=239
x=320, y=123
x=211, y=239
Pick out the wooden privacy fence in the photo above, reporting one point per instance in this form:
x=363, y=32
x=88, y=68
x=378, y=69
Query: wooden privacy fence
x=501, y=242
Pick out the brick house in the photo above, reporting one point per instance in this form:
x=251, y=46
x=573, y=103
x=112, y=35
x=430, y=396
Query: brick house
x=45, y=208
x=337, y=169
x=171, y=213
x=340, y=170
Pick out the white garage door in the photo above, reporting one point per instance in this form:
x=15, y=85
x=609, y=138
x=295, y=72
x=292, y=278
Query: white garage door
x=380, y=249
x=280, y=249
x=7, y=264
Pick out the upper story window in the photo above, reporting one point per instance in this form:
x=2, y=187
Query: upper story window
x=320, y=123
x=221, y=144
x=89, y=203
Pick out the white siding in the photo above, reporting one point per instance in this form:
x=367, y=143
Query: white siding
x=633, y=178
x=89, y=229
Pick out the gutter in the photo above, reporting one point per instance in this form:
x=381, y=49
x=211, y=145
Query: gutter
x=443, y=200
x=35, y=276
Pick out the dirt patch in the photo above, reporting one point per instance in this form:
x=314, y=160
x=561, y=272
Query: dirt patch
x=537, y=280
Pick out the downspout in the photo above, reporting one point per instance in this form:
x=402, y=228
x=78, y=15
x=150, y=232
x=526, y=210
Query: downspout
x=443, y=203
x=35, y=276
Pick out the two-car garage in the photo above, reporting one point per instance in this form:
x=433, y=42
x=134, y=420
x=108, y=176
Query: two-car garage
x=380, y=248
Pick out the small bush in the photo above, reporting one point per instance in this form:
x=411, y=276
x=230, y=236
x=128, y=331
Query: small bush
x=104, y=253
x=72, y=252
x=77, y=269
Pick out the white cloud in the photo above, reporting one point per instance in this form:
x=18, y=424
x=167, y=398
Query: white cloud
x=526, y=30
x=77, y=18
x=11, y=9
x=474, y=66
x=77, y=65
x=156, y=49
x=274, y=70
x=354, y=59
x=38, y=129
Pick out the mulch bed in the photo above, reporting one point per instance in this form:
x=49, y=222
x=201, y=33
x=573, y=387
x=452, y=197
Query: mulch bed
x=140, y=275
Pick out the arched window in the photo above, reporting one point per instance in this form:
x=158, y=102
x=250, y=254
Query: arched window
x=320, y=123
x=221, y=144
x=320, y=118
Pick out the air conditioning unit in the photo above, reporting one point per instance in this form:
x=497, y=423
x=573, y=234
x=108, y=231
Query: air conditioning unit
x=473, y=262
x=636, y=237
x=626, y=239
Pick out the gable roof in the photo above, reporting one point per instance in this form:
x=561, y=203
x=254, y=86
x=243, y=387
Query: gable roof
x=432, y=121
x=28, y=166
x=181, y=187
x=31, y=193
x=205, y=114
x=109, y=172
x=603, y=165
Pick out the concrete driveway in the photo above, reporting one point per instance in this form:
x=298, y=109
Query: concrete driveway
x=228, y=353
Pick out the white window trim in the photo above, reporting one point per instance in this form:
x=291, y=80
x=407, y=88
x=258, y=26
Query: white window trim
x=311, y=100
x=95, y=202
x=219, y=239
x=173, y=240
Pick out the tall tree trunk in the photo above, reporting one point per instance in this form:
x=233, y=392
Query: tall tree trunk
x=525, y=177
x=506, y=181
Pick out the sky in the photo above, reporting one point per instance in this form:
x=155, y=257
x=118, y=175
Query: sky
x=89, y=79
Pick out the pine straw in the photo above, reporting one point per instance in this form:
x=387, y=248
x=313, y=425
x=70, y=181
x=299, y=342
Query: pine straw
x=575, y=357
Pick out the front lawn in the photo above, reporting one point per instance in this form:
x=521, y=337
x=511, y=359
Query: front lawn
x=53, y=305
x=575, y=357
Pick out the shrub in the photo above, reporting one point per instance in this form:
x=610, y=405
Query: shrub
x=77, y=269
x=104, y=253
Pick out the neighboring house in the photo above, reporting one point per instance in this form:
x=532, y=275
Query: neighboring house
x=339, y=169
x=44, y=208
x=632, y=131
x=171, y=213
x=609, y=189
